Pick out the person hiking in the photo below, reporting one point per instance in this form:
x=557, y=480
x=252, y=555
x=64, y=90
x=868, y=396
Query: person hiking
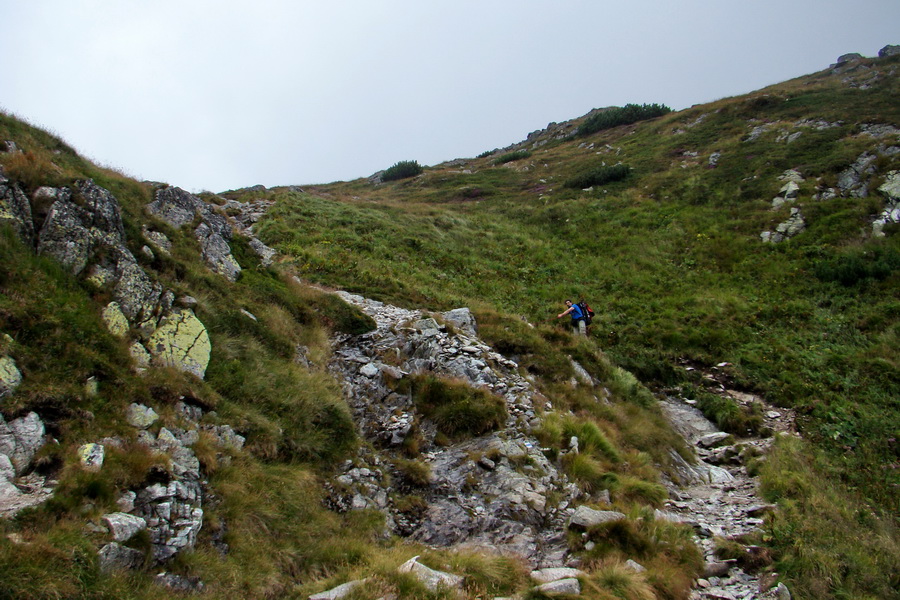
x=578, y=321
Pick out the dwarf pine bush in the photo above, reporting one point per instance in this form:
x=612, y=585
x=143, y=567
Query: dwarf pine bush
x=402, y=170
x=626, y=115
x=598, y=176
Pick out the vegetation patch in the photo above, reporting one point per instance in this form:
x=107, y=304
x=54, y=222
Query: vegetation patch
x=402, y=170
x=457, y=408
x=625, y=115
x=512, y=156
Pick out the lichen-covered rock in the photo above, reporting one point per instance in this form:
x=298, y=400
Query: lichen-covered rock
x=158, y=240
x=140, y=416
x=175, y=206
x=28, y=433
x=91, y=456
x=115, y=319
x=10, y=376
x=140, y=355
x=181, y=341
x=73, y=230
x=178, y=207
x=217, y=252
x=16, y=210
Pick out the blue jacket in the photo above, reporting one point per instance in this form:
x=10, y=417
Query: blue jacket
x=576, y=313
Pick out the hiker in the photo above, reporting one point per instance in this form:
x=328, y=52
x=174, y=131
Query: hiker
x=578, y=320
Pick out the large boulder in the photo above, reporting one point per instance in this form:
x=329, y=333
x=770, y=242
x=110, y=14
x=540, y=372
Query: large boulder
x=181, y=341
x=20, y=440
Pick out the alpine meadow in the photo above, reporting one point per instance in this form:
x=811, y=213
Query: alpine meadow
x=362, y=390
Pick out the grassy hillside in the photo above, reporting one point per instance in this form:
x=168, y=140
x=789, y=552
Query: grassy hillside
x=667, y=251
x=672, y=259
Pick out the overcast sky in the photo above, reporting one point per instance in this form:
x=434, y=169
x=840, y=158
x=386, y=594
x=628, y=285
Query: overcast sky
x=220, y=94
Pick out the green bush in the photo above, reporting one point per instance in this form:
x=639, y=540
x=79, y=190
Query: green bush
x=511, y=156
x=402, y=170
x=598, y=176
x=852, y=267
x=626, y=115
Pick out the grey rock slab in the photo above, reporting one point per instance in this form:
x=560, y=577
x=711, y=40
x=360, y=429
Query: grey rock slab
x=338, y=592
x=555, y=574
x=431, y=578
x=569, y=586
x=585, y=517
x=123, y=526
x=115, y=557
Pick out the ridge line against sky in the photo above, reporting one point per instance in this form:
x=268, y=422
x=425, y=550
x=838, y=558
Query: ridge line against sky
x=222, y=94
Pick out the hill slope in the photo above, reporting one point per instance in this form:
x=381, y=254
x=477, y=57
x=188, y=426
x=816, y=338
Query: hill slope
x=750, y=244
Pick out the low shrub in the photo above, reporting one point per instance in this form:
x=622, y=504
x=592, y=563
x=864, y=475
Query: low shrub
x=511, y=156
x=598, y=176
x=852, y=267
x=402, y=170
x=626, y=115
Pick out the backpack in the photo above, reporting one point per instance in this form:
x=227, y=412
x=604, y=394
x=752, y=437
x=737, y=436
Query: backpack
x=586, y=312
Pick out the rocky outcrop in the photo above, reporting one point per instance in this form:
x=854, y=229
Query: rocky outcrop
x=494, y=491
x=16, y=210
x=891, y=213
x=787, y=229
x=178, y=208
x=171, y=511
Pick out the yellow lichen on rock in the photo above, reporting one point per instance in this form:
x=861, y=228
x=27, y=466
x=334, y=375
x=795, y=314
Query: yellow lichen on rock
x=115, y=320
x=181, y=341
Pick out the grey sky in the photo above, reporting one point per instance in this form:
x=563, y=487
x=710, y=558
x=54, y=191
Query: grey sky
x=219, y=94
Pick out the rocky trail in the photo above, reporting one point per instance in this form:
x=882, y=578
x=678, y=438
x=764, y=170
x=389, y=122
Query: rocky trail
x=719, y=498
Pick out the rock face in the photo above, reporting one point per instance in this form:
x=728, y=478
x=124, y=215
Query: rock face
x=178, y=208
x=496, y=490
x=16, y=210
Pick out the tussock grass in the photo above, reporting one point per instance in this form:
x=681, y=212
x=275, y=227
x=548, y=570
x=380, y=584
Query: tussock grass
x=826, y=542
x=457, y=408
